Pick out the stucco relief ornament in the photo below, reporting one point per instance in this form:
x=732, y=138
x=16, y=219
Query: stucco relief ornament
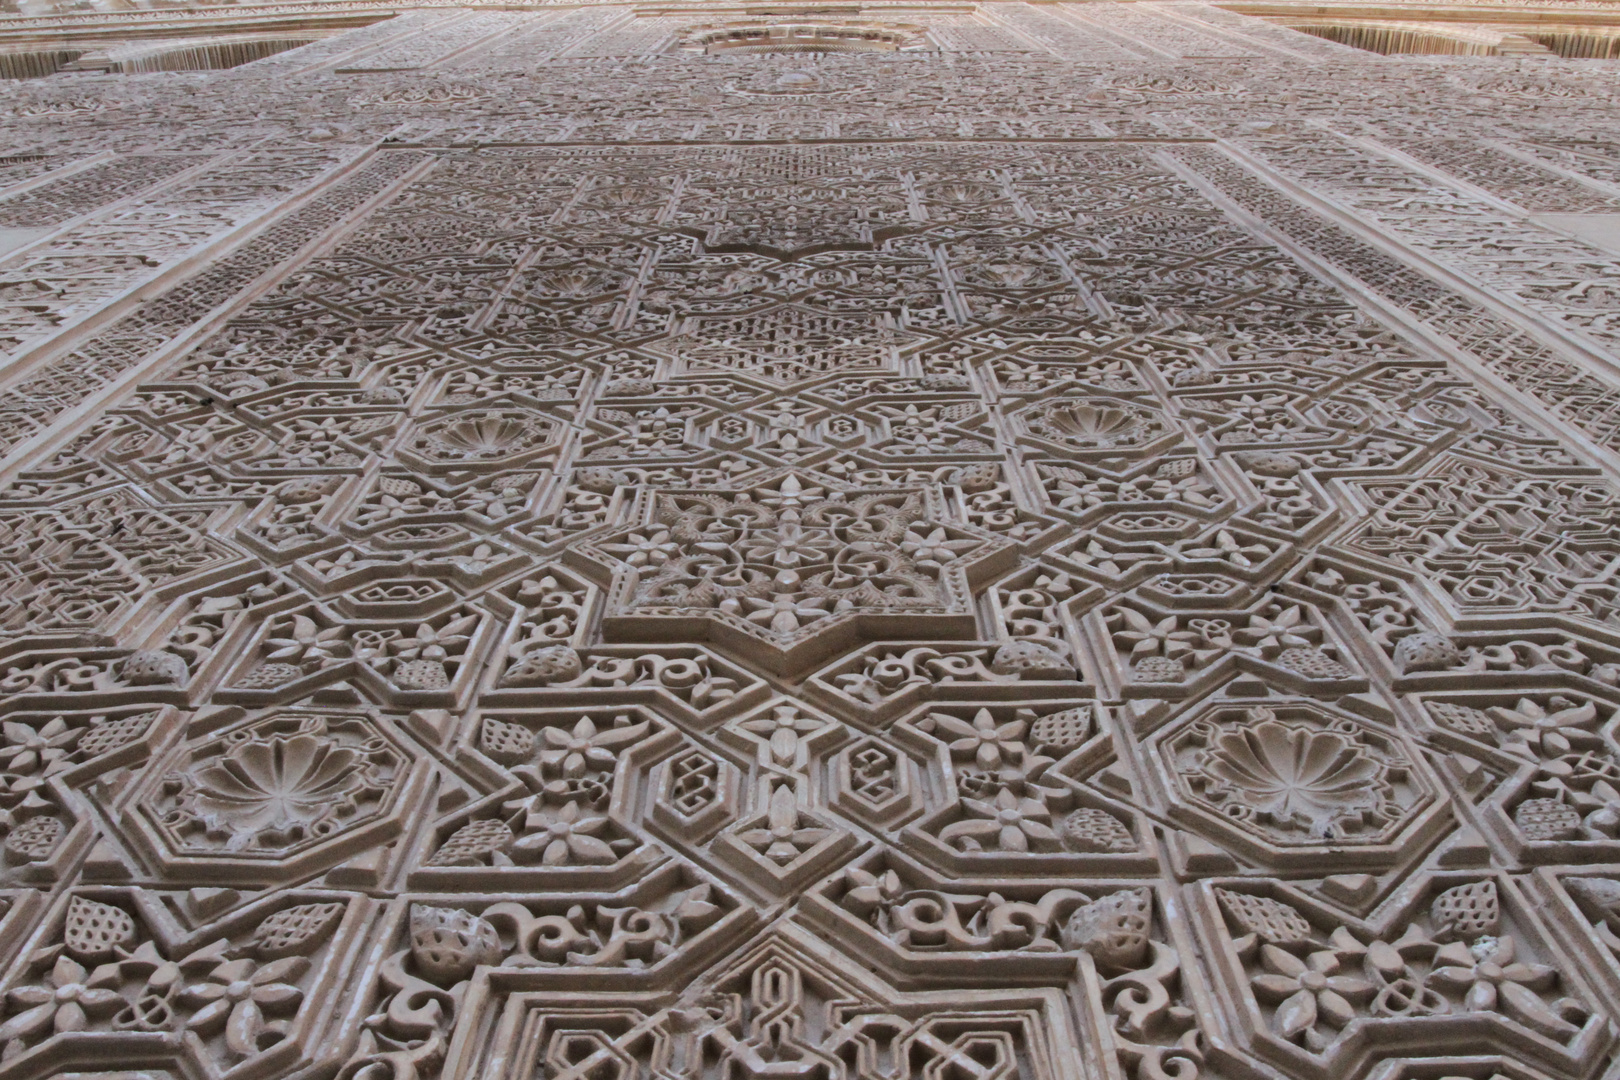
x=1462, y=959
x=937, y=403
x=795, y=569
x=1095, y=427
x=791, y=83
x=278, y=787
x=481, y=439
x=1092, y=425
x=1295, y=777
x=789, y=343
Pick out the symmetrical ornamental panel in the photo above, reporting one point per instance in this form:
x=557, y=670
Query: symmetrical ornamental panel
x=1026, y=542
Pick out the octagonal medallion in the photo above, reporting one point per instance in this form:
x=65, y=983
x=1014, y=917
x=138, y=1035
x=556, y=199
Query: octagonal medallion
x=483, y=439
x=275, y=798
x=1288, y=782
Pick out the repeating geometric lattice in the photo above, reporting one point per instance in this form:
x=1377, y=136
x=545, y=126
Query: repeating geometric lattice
x=1020, y=542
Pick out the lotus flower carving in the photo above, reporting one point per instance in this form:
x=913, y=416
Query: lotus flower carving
x=1091, y=422
x=281, y=785
x=277, y=789
x=484, y=434
x=1294, y=776
x=1095, y=425
x=482, y=437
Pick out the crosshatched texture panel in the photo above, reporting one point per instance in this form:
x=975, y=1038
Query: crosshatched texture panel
x=1003, y=541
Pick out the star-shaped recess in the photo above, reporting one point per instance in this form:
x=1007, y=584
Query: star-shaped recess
x=794, y=570
x=787, y=343
x=802, y=217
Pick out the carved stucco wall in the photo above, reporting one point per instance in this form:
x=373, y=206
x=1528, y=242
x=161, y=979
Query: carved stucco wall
x=1082, y=541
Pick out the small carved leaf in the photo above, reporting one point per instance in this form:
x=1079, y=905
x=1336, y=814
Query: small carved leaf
x=1297, y=1014
x=96, y=931
x=1467, y=911
x=295, y=931
x=1269, y=920
x=448, y=943
x=1522, y=1003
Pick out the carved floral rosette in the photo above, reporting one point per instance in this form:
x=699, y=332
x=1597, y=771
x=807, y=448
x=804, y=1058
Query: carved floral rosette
x=1308, y=986
x=168, y=978
x=692, y=544
x=288, y=792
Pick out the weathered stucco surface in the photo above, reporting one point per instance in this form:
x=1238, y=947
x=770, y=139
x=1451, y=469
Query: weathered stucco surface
x=938, y=541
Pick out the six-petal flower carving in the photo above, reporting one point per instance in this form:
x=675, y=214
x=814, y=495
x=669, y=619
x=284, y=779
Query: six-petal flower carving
x=1309, y=991
x=1006, y=823
x=71, y=1000
x=236, y=996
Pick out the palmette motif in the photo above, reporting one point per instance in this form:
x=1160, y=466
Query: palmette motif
x=1002, y=541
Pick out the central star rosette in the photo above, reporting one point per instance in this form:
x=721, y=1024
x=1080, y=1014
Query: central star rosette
x=792, y=571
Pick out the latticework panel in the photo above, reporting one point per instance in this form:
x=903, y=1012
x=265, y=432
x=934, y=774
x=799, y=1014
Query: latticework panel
x=1074, y=541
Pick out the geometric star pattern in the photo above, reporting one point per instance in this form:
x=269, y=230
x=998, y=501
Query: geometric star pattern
x=1015, y=542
